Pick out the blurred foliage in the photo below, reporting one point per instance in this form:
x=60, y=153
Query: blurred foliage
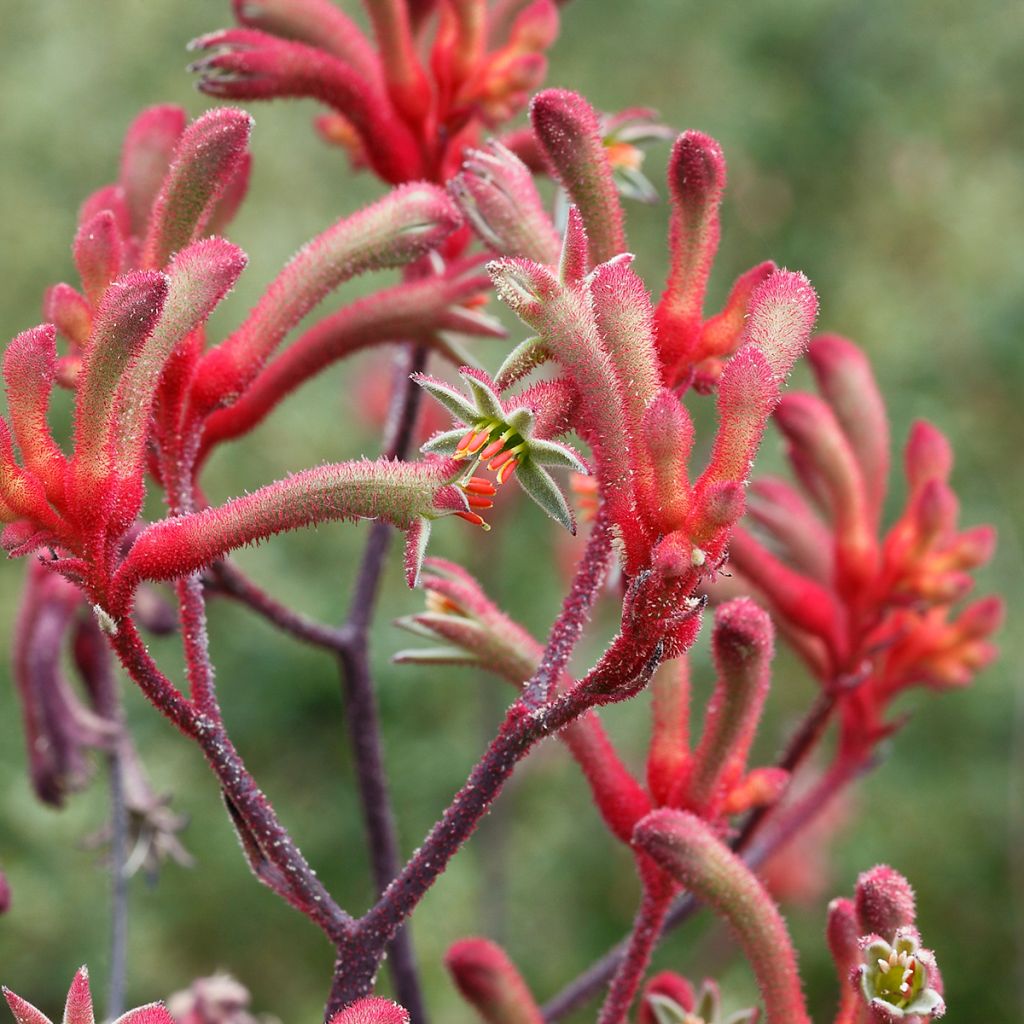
x=876, y=146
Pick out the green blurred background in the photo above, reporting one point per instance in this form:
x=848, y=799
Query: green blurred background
x=876, y=146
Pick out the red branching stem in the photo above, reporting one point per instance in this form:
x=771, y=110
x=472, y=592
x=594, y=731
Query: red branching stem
x=654, y=905
x=288, y=872
x=567, y=628
x=521, y=730
x=227, y=579
x=360, y=697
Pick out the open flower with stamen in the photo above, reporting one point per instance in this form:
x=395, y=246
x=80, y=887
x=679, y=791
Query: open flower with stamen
x=894, y=979
x=507, y=437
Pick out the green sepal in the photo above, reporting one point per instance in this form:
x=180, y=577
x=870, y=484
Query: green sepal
x=551, y=453
x=538, y=484
x=487, y=402
x=452, y=399
x=444, y=443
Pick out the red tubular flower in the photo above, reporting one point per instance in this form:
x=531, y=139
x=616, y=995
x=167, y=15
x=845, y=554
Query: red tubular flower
x=692, y=349
x=877, y=611
x=401, y=116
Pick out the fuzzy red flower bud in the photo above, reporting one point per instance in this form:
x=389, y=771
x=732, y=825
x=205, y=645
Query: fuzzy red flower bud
x=146, y=157
x=884, y=902
x=372, y=1010
x=569, y=132
x=99, y=254
x=489, y=981
x=206, y=159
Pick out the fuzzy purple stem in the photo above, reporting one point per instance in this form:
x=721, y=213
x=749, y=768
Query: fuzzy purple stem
x=361, y=698
x=227, y=579
x=521, y=730
x=294, y=880
x=568, y=627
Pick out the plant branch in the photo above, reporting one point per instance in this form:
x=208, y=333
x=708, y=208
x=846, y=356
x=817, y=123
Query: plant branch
x=360, y=696
x=119, y=886
x=521, y=730
x=287, y=871
x=226, y=578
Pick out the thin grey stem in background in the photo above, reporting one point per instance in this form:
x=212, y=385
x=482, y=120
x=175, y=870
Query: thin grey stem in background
x=119, y=887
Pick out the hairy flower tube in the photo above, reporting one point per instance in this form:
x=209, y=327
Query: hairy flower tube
x=78, y=1009
x=489, y=981
x=403, y=114
x=871, y=615
x=511, y=437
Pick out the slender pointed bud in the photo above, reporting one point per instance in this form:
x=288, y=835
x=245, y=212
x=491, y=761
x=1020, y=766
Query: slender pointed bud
x=146, y=158
x=670, y=729
x=691, y=853
x=569, y=132
x=572, y=261
x=24, y=1012
x=884, y=902
x=206, y=160
x=811, y=429
x=397, y=492
x=696, y=180
x=199, y=275
x=99, y=253
x=316, y=22
x=406, y=81
x=667, y=433
x=843, y=931
x=405, y=224
x=490, y=983
x=78, y=1008
x=743, y=645
x=844, y=378
x=795, y=529
x=664, y=985
x=746, y=397
x=126, y=318
x=625, y=318
x=928, y=455
x=497, y=194
x=372, y=1010
x=29, y=368
x=781, y=317
x=69, y=312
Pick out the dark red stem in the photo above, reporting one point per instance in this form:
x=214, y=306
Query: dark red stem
x=360, y=694
x=521, y=730
x=654, y=905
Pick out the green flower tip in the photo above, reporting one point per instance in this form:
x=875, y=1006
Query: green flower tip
x=894, y=979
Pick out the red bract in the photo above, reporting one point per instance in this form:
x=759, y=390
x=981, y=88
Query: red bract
x=404, y=117
x=78, y=1009
x=871, y=614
